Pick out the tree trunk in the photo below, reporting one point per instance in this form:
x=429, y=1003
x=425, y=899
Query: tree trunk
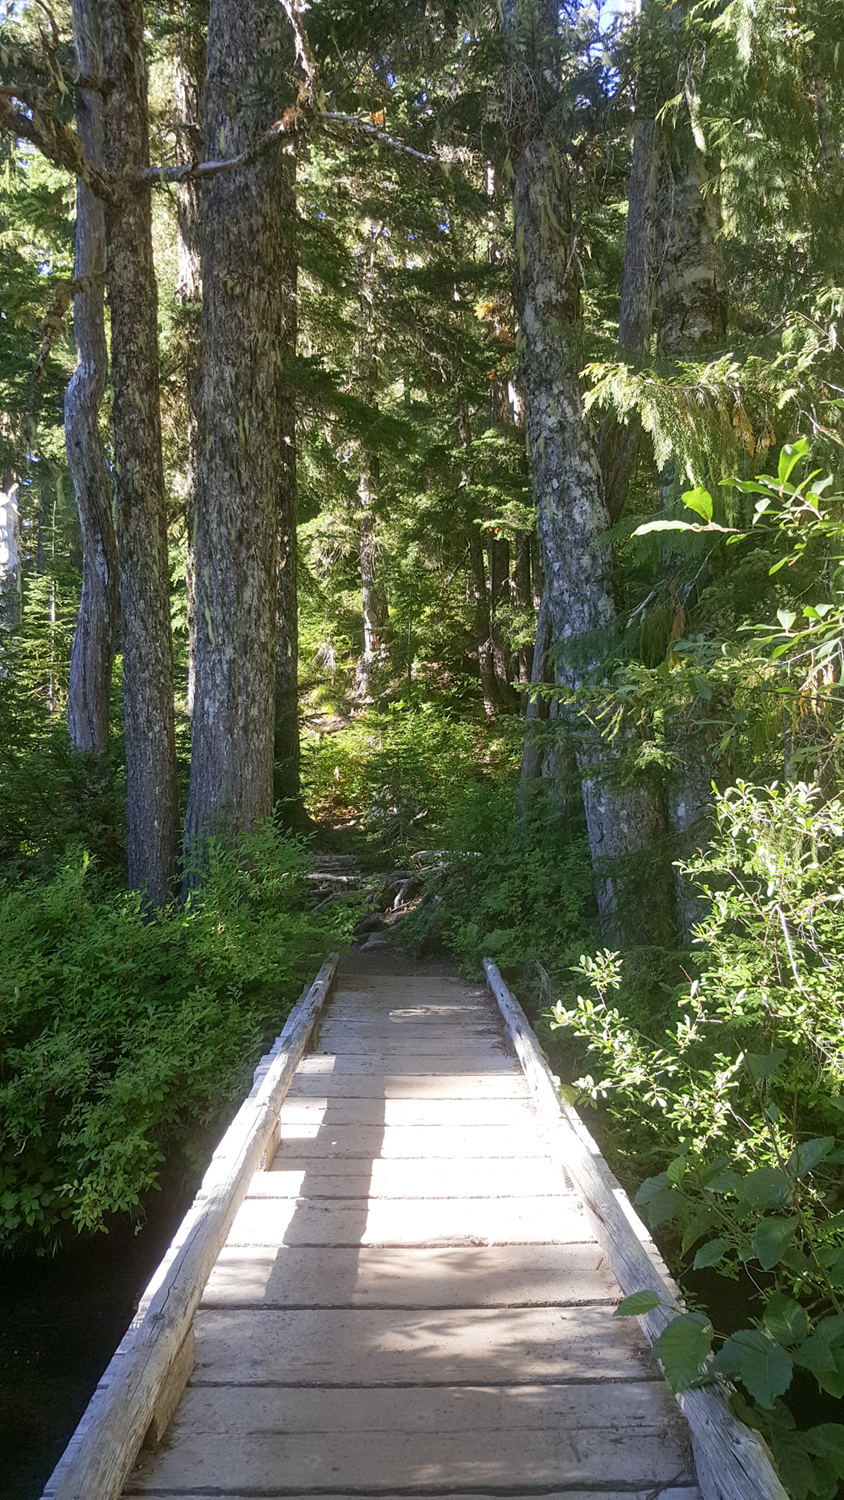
x=690, y=320
x=537, y=706
x=151, y=792
x=240, y=463
x=189, y=84
x=619, y=441
x=499, y=598
x=482, y=632
x=373, y=607
x=94, y=641
x=571, y=513
x=287, y=788
x=10, y=554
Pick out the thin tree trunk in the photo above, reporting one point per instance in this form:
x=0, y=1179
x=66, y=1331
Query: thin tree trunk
x=499, y=598
x=619, y=441
x=151, y=792
x=571, y=513
x=10, y=554
x=94, y=641
x=523, y=599
x=537, y=704
x=690, y=321
x=372, y=602
x=482, y=632
x=189, y=83
x=240, y=464
x=286, y=787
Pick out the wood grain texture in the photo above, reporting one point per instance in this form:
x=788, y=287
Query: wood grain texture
x=228, y=1439
x=732, y=1462
x=103, y=1450
x=463, y=1276
x=480, y=1346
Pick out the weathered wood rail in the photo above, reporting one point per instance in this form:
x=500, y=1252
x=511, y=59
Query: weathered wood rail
x=732, y=1461
x=397, y=1280
x=139, y=1390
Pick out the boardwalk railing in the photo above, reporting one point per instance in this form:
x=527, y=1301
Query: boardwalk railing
x=732, y=1462
x=139, y=1391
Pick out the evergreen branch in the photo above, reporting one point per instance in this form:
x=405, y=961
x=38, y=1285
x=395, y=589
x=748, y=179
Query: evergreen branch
x=366, y=127
x=57, y=142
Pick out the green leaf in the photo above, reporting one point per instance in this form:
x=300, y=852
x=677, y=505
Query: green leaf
x=791, y=455
x=683, y=1349
x=710, y=1254
x=785, y=1319
x=763, y=1064
x=700, y=501
x=771, y=1241
x=659, y=1199
x=703, y=689
x=663, y=526
x=786, y=618
x=767, y=1187
x=805, y=1157
x=725, y=1182
x=759, y=1361
x=637, y=1304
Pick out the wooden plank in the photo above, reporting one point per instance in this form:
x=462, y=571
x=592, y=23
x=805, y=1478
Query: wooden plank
x=327, y=1111
x=399, y=1086
x=671, y=1493
x=460, y=1276
x=488, y=1346
x=408, y=1221
x=468, y=1177
x=732, y=1462
x=228, y=1439
x=404, y=1142
x=123, y=1407
x=445, y=1063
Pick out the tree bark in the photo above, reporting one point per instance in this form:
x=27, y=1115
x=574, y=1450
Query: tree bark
x=499, y=597
x=537, y=705
x=571, y=512
x=240, y=463
x=188, y=90
x=151, y=791
x=10, y=554
x=94, y=641
x=373, y=606
x=482, y=631
x=619, y=441
x=287, y=787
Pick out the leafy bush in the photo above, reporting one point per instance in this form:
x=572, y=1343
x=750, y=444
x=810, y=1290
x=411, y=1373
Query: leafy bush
x=518, y=891
x=744, y=1093
x=400, y=774
x=122, y=1037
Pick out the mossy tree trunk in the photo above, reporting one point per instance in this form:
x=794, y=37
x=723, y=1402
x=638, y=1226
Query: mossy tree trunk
x=92, y=653
x=572, y=519
x=240, y=458
x=151, y=793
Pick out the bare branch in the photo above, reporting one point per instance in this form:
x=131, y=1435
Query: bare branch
x=366, y=127
x=192, y=171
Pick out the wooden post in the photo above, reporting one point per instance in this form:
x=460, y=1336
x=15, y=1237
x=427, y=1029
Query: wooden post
x=732, y=1462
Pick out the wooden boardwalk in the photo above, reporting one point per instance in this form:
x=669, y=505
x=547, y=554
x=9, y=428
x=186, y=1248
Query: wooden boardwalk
x=410, y=1300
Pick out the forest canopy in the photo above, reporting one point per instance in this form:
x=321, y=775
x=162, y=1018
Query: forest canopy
x=421, y=436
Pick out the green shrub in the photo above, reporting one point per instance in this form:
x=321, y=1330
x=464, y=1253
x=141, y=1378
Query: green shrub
x=123, y=1037
x=516, y=890
x=742, y=1095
